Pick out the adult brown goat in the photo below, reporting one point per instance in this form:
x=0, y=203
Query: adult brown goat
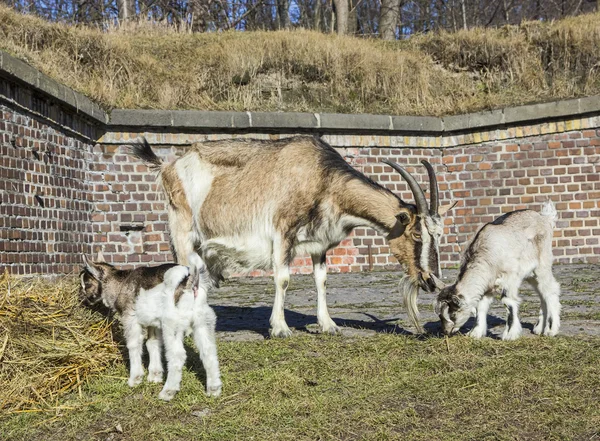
x=249, y=204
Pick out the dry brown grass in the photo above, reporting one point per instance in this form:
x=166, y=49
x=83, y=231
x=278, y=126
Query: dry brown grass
x=147, y=66
x=49, y=344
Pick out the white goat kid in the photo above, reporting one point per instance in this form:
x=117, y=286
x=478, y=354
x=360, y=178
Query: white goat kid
x=515, y=247
x=165, y=302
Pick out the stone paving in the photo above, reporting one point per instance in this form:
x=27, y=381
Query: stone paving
x=368, y=303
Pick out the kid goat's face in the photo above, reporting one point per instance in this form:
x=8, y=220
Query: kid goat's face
x=90, y=289
x=451, y=310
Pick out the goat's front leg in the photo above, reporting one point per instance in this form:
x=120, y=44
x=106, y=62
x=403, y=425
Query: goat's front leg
x=510, y=299
x=320, y=271
x=480, y=329
x=134, y=338
x=175, y=352
x=154, y=346
x=281, y=269
x=204, y=337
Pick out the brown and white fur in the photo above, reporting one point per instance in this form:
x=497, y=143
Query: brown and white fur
x=249, y=204
x=163, y=303
x=515, y=247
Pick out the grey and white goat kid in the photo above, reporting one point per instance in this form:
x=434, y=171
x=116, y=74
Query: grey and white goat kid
x=162, y=303
x=515, y=247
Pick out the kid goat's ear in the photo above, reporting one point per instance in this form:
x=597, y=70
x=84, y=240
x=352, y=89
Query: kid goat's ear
x=92, y=268
x=100, y=256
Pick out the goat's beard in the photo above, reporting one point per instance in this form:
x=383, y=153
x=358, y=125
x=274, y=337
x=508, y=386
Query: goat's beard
x=409, y=288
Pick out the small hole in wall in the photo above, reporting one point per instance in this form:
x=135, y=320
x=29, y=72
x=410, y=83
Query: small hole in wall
x=129, y=228
x=39, y=200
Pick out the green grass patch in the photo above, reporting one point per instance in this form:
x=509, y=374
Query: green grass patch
x=318, y=387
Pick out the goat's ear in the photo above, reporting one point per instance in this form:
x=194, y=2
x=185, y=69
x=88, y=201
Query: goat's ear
x=402, y=220
x=446, y=208
x=91, y=268
x=458, y=299
x=100, y=256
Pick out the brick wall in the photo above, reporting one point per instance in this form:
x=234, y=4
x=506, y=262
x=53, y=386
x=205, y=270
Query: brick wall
x=488, y=173
x=45, y=201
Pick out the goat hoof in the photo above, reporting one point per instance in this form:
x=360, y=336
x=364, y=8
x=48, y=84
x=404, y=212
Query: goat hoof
x=134, y=381
x=332, y=330
x=155, y=377
x=167, y=394
x=537, y=329
x=509, y=336
x=477, y=333
x=213, y=391
x=281, y=333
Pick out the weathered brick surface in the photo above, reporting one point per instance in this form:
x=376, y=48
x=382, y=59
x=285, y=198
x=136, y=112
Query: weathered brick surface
x=45, y=199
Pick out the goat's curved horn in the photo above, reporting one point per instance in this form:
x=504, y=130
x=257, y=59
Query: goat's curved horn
x=433, y=188
x=414, y=187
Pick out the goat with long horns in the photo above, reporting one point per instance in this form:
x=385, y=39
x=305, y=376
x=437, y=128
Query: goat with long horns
x=249, y=204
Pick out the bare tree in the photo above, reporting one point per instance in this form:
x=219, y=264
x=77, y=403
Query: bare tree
x=283, y=16
x=388, y=19
x=126, y=10
x=341, y=10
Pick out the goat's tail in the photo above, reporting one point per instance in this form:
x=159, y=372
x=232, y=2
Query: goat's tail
x=549, y=211
x=143, y=151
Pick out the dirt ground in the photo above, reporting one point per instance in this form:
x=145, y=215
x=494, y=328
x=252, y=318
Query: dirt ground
x=367, y=303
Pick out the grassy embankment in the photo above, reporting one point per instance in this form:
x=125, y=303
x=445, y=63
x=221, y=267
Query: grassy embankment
x=147, y=66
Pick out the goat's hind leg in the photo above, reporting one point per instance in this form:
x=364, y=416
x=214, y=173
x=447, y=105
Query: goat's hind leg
x=511, y=300
x=204, y=338
x=175, y=352
x=549, y=291
x=180, y=226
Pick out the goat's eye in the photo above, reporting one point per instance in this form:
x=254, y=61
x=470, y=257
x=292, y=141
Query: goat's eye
x=416, y=236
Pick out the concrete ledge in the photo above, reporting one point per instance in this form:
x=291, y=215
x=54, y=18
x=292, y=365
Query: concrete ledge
x=477, y=120
x=24, y=73
x=366, y=122
x=534, y=112
x=281, y=120
x=429, y=124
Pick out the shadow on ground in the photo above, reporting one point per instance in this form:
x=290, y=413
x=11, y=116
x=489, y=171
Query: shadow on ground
x=256, y=319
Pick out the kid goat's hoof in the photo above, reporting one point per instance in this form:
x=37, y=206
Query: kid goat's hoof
x=213, y=391
x=167, y=394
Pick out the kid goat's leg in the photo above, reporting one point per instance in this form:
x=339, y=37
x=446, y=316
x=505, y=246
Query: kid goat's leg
x=480, y=329
x=134, y=338
x=320, y=271
x=154, y=346
x=175, y=352
x=549, y=291
x=204, y=338
x=510, y=299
